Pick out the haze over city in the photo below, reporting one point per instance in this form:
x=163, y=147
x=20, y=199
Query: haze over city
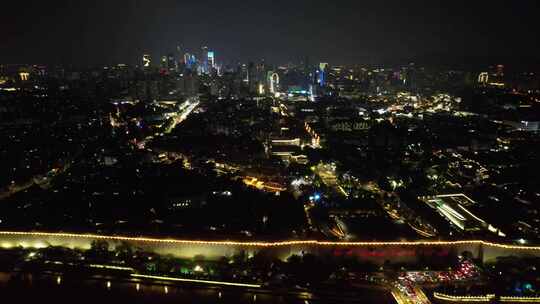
x=270, y=152
x=350, y=32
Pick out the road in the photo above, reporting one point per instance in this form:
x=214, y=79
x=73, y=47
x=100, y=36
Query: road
x=407, y=288
x=35, y=180
x=399, y=211
x=406, y=292
x=184, y=110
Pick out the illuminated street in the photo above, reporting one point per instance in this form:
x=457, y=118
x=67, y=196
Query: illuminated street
x=183, y=112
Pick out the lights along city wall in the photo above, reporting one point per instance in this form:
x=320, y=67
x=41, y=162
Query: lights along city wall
x=378, y=252
x=489, y=298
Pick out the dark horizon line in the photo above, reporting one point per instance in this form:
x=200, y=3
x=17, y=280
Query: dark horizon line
x=467, y=62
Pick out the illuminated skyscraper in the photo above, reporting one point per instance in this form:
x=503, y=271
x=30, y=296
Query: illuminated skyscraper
x=483, y=78
x=24, y=76
x=244, y=73
x=211, y=60
x=411, y=78
x=187, y=58
x=190, y=61
x=172, y=64
x=146, y=60
x=260, y=76
x=322, y=73
x=273, y=82
x=204, y=60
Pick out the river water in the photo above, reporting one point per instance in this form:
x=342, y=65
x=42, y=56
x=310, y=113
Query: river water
x=64, y=290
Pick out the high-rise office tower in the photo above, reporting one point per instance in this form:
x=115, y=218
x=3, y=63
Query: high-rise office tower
x=273, y=81
x=180, y=60
x=261, y=71
x=24, y=75
x=323, y=66
x=146, y=60
x=244, y=73
x=187, y=58
x=190, y=61
x=193, y=61
x=172, y=64
x=164, y=63
x=179, y=54
x=260, y=76
x=211, y=60
x=204, y=60
x=483, y=78
x=251, y=77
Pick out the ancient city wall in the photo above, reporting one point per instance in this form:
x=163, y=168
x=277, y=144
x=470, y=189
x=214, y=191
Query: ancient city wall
x=376, y=252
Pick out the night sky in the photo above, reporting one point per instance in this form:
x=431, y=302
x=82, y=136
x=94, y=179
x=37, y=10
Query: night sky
x=339, y=31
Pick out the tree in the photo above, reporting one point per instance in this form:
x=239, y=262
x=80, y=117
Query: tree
x=124, y=251
x=240, y=257
x=99, y=250
x=99, y=246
